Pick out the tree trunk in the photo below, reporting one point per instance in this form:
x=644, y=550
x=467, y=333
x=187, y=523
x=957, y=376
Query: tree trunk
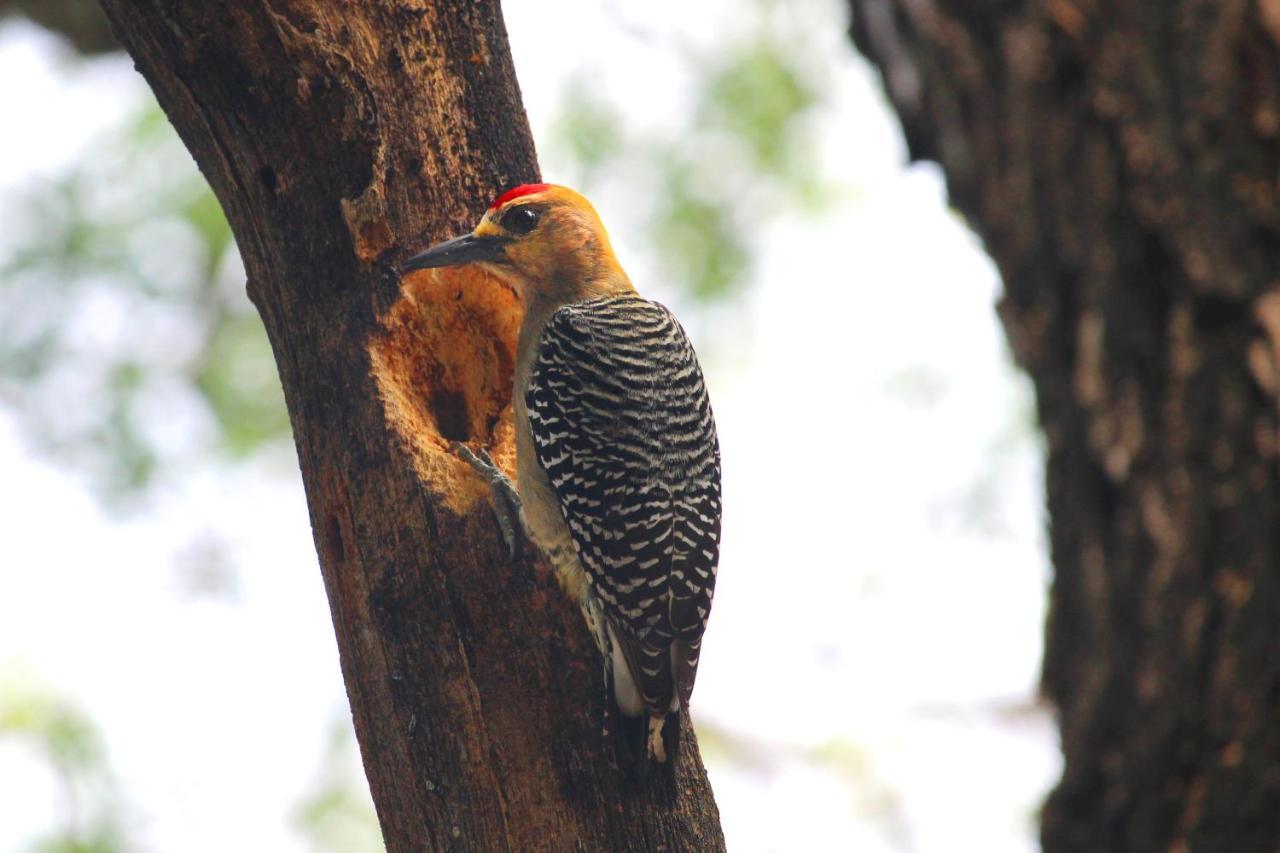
x=339, y=137
x=1120, y=161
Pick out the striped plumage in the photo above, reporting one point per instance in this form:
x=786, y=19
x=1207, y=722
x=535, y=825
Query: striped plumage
x=616, y=456
x=622, y=426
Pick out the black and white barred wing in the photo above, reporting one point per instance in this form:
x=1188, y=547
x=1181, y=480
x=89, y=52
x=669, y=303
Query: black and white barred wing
x=623, y=427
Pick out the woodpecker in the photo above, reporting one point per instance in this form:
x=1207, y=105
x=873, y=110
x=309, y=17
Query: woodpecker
x=617, y=461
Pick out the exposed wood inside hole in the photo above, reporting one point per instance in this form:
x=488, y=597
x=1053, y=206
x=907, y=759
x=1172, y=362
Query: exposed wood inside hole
x=443, y=364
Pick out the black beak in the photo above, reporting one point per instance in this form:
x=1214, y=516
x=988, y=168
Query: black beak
x=467, y=249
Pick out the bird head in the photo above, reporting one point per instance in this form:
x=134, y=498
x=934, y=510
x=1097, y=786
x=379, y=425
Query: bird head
x=545, y=241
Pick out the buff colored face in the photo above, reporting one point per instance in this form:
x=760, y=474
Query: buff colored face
x=546, y=241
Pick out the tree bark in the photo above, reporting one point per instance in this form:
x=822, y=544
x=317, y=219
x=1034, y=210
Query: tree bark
x=1120, y=162
x=338, y=137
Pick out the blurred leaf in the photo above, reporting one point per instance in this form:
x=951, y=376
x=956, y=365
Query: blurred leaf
x=757, y=96
x=99, y=839
x=338, y=816
x=589, y=128
x=69, y=741
x=205, y=568
x=120, y=315
x=205, y=215
x=133, y=460
x=60, y=731
x=918, y=385
x=738, y=159
x=697, y=239
x=151, y=127
x=238, y=379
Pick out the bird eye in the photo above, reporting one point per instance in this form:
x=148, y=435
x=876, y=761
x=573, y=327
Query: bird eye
x=521, y=220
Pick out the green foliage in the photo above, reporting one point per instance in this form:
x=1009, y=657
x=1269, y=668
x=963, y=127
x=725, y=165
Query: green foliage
x=237, y=376
x=204, y=214
x=589, y=129
x=757, y=95
x=338, y=816
x=67, y=740
x=67, y=737
x=124, y=311
x=738, y=158
x=697, y=235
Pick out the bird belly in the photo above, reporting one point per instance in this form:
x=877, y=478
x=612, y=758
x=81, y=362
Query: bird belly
x=544, y=521
x=543, y=518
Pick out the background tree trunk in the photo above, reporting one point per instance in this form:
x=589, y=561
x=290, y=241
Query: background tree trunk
x=81, y=22
x=1120, y=161
x=338, y=137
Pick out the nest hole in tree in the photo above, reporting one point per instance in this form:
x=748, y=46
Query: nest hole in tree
x=443, y=362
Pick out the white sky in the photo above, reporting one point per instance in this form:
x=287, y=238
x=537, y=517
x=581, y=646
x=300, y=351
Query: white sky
x=865, y=608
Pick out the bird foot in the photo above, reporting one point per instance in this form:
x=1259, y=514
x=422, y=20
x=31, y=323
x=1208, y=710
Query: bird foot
x=506, y=500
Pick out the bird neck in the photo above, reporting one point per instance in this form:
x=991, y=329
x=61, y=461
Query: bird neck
x=542, y=299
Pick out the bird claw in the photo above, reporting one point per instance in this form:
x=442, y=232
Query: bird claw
x=506, y=500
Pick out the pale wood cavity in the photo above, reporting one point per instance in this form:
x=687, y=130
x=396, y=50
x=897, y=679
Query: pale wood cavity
x=443, y=362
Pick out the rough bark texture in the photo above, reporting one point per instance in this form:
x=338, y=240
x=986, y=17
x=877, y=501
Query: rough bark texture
x=1120, y=161
x=338, y=137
